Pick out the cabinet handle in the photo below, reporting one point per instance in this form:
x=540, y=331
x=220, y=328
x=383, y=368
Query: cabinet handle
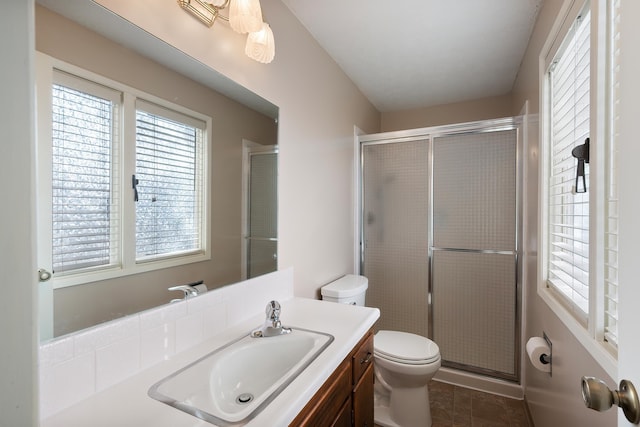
x=366, y=359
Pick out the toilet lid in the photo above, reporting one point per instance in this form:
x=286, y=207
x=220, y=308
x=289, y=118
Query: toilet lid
x=405, y=347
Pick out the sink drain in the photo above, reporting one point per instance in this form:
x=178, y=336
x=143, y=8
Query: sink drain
x=244, y=398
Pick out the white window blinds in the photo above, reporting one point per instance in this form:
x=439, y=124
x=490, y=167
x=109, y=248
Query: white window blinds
x=611, y=206
x=568, y=263
x=169, y=182
x=84, y=221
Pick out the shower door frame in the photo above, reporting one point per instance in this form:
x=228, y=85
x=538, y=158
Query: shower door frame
x=428, y=134
x=249, y=150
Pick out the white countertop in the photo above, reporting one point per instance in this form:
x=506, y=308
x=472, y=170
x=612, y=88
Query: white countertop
x=128, y=404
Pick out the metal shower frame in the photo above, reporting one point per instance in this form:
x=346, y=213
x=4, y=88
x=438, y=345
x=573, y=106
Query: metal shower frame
x=428, y=135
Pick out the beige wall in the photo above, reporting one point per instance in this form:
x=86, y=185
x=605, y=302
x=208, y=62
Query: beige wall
x=556, y=400
x=461, y=112
x=78, y=307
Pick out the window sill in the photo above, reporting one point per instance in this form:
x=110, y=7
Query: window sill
x=599, y=351
x=63, y=281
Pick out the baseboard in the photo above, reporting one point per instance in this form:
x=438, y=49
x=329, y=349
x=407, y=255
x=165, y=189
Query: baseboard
x=526, y=408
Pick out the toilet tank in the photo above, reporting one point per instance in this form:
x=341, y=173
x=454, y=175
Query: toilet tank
x=349, y=289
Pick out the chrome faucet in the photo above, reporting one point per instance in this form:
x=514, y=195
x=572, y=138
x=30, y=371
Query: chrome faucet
x=190, y=290
x=272, y=326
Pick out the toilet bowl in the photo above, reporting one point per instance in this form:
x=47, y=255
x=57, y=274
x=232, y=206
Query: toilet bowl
x=403, y=363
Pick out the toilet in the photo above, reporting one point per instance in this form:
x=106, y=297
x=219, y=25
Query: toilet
x=404, y=363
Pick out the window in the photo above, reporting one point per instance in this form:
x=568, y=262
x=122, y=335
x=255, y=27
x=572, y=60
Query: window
x=84, y=130
x=568, y=254
x=168, y=178
x=127, y=191
x=579, y=229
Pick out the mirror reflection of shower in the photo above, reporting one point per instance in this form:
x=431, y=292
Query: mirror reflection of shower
x=260, y=209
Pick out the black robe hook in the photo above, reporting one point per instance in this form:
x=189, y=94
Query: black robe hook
x=581, y=152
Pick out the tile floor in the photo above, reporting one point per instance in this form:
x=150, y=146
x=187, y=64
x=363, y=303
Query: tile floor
x=453, y=406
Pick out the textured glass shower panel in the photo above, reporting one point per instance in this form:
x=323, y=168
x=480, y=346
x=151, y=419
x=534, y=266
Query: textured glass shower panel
x=395, y=233
x=263, y=218
x=473, y=286
x=263, y=214
x=262, y=257
x=474, y=191
x=474, y=309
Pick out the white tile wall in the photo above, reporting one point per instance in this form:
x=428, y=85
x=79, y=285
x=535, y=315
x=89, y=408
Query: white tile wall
x=75, y=366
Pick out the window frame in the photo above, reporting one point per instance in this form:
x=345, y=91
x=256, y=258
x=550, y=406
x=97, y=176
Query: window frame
x=126, y=261
x=560, y=280
x=94, y=90
x=591, y=335
x=166, y=115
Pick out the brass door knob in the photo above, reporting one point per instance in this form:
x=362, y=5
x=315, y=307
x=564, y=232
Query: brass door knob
x=599, y=397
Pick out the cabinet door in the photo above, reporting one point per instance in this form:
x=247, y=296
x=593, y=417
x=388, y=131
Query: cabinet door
x=362, y=357
x=344, y=416
x=322, y=410
x=363, y=400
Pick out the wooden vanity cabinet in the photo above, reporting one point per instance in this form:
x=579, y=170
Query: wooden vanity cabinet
x=346, y=398
x=362, y=394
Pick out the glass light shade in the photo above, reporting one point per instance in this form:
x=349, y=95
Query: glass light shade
x=245, y=16
x=261, y=45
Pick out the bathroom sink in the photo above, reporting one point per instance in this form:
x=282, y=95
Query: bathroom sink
x=232, y=384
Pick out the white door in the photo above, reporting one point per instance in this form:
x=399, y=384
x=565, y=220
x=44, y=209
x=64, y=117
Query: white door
x=629, y=226
x=43, y=210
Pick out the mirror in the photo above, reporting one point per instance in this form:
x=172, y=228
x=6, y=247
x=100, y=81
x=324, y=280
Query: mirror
x=244, y=126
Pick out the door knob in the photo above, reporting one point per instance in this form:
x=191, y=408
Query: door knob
x=599, y=397
x=43, y=275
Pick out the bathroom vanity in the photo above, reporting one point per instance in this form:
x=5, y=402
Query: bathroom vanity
x=335, y=389
x=346, y=398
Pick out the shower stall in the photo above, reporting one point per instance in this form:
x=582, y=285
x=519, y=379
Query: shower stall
x=440, y=239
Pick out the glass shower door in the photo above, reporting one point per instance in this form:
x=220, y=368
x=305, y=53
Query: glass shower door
x=262, y=237
x=440, y=240
x=395, y=235
x=474, y=253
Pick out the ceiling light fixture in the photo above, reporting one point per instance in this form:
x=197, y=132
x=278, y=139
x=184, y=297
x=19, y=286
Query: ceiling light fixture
x=245, y=16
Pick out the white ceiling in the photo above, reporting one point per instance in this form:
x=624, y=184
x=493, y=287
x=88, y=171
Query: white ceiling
x=407, y=54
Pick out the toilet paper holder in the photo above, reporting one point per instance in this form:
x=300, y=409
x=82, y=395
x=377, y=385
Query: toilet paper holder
x=540, y=353
x=546, y=359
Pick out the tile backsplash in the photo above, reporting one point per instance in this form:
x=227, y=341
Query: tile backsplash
x=75, y=366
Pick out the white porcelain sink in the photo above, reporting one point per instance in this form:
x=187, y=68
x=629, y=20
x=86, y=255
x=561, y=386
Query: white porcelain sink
x=231, y=385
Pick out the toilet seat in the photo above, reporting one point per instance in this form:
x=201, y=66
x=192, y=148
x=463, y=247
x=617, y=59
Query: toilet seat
x=404, y=347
